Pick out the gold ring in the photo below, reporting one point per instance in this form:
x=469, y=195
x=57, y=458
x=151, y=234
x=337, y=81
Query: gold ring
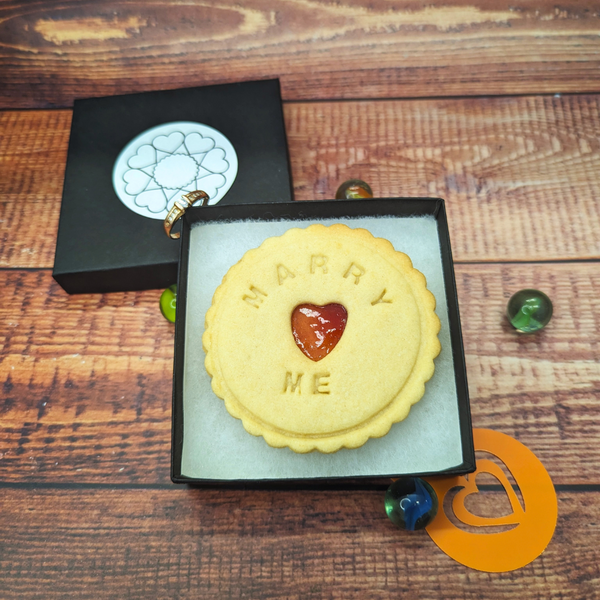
x=179, y=209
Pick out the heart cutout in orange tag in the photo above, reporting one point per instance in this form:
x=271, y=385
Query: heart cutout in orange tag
x=318, y=329
x=467, y=517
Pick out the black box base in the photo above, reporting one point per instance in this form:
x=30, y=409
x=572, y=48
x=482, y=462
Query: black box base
x=314, y=212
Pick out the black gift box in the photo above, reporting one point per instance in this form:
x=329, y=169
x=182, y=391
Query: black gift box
x=307, y=213
x=104, y=246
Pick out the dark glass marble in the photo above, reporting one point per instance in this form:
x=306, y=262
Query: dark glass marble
x=411, y=503
x=168, y=303
x=529, y=310
x=353, y=189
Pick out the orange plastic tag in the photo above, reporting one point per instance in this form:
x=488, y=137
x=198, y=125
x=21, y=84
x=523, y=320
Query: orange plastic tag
x=535, y=521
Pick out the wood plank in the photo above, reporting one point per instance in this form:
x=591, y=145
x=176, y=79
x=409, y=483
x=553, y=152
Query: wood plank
x=33, y=155
x=542, y=389
x=51, y=52
x=87, y=379
x=87, y=382
x=521, y=176
x=186, y=543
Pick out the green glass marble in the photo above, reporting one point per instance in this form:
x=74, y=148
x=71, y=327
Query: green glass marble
x=529, y=310
x=353, y=189
x=168, y=303
x=411, y=503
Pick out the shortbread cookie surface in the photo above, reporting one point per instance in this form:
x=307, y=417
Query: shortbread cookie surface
x=372, y=376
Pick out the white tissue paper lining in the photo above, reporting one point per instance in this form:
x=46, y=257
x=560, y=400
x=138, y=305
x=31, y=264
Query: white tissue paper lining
x=216, y=446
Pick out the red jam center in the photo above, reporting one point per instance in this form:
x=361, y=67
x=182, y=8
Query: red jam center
x=318, y=329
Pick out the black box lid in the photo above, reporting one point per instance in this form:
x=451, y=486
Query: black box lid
x=147, y=149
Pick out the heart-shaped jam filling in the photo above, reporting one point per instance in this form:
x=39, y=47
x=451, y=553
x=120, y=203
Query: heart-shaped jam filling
x=318, y=329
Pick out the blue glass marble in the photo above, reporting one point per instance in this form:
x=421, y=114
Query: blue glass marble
x=529, y=310
x=168, y=303
x=411, y=503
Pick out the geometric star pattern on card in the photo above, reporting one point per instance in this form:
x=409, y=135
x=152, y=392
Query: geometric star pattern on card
x=165, y=162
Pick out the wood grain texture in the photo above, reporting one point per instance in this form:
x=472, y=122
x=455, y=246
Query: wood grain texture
x=87, y=379
x=185, y=543
x=54, y=51
x=33, y=154
x=521, y=176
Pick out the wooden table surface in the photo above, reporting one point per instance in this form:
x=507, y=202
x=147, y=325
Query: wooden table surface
x=492, y=105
